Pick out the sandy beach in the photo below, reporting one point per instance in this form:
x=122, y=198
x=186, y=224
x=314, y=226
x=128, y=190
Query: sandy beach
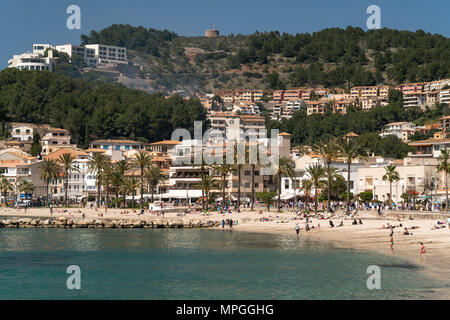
x=367, y=236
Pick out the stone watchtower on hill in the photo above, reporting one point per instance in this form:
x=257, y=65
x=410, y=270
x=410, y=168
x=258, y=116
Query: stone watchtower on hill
x=212, y=33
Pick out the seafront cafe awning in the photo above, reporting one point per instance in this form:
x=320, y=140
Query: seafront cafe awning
x=290, y=195
x=145, y=195
x=182, y=194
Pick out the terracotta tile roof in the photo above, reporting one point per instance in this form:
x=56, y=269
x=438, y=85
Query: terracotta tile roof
x=115, y=141
x=429, y=142
x=95, y=150
x=164, y=142
x=72, y=151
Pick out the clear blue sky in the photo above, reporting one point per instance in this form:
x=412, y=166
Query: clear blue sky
x=23, y=23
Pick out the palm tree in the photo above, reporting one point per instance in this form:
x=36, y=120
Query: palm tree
x=96, y=164
x=238, y=168
x=284, y=168
x=253, y=167
x=48, y=170
x=391, y=175
x=26, y=186
x=129, y=186
x=107, y=176
x=154, y=176
x=121, y=167
x=67, y=162
x=5, y=185
x=203, y=166
x=329, y=152
x=444, y=166
x=350, y=149
x=317, y=174
x=143, y=160
x=224, y=170
x=116, y=183
x=207, y=183
x=307, y=186
x=267, y=198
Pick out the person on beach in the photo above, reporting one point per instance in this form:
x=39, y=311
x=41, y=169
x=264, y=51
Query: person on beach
x=223, y=223
x=392, y=241
x=297, y=228
x=422, y=252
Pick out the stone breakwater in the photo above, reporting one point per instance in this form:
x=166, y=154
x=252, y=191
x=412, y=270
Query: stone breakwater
x=103, y=223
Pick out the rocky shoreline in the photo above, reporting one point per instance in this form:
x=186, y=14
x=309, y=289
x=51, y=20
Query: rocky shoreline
x=63, y=222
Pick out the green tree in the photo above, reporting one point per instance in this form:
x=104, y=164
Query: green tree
x=391, y=175
x=284, y=168
x=48, y=170
x=317, y=174
x=130, y=185
x=350, y=149
x=68, y=165
x=36, y=147
x=223, y=170
x=143, y=161
x=207, y=183
x=96, y=164
x=444, y=166
x=26, y=186
x=329, y=151
x=267, y=198
x=154, y=177
x=5, y=186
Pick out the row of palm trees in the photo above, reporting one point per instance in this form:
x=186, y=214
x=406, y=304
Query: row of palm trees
x=24, y=186
x=319, y=175
x=111, y=177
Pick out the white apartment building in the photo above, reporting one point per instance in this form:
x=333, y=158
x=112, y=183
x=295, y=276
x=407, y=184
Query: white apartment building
x=400, y=129
x=78, y=179
x=292, y=106
x=444, y=96
x=22, y=132
x=369, y=103
x=54, y=140
x=17, y=166
x=116, y=147
x=428, y=148
x=276, y=112
x=292, y=187
x=436, y=85
x=235, y=127
x=109, y=54
x=41, y=48
x=86, y=53
x=31, y=61
x=414, y=99
x=411, y=179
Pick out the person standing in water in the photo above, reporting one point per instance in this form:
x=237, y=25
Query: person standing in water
x=392, y=240
x=422, y=252
x=297, y=229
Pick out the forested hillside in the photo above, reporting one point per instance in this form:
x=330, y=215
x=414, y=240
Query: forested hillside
x=331, y=57
x=92, y=110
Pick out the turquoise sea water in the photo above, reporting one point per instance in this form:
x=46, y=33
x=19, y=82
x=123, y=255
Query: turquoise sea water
x=194, y=264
